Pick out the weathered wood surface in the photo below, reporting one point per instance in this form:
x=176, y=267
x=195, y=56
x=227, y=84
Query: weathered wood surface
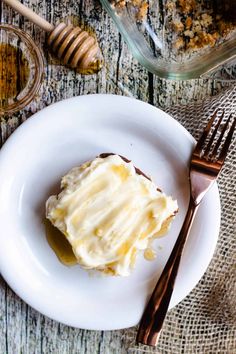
x=22, y=329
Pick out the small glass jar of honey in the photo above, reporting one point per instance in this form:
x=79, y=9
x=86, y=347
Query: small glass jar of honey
x=21, y=69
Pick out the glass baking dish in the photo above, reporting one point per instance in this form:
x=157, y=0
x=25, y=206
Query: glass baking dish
x=173, y=41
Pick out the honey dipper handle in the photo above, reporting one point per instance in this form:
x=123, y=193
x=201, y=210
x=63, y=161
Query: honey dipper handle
x=31, y=15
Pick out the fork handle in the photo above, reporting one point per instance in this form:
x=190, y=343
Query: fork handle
x=157, y=307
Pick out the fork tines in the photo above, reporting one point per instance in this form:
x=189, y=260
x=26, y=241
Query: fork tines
x=215, y=140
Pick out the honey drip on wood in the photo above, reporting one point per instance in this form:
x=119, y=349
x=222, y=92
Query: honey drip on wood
x=59, y=244
x=14, y=73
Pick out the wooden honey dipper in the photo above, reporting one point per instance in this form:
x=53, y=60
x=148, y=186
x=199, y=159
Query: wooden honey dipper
x=75, y=47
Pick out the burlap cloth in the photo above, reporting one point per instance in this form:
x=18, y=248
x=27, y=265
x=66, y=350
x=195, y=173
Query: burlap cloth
x=205, y=321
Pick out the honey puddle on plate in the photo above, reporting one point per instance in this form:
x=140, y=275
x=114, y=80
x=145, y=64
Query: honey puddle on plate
x=59, y=244
x=149, y=254
x=14, y=73
x=63, y=250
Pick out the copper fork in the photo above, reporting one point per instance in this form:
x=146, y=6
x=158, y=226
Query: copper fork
x=206, y=162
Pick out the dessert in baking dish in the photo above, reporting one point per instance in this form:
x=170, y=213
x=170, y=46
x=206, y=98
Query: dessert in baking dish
x=108, y=211
x=189, y=24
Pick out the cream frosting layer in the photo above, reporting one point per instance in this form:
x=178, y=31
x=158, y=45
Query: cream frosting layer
x=108, y=213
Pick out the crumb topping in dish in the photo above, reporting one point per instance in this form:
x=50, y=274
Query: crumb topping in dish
x=193, y=24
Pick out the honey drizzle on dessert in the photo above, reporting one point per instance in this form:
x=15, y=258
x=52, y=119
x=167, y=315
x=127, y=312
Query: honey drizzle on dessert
x=59, y=245
x=149, y=254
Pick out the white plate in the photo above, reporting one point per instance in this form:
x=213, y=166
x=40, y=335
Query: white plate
x=32, y=162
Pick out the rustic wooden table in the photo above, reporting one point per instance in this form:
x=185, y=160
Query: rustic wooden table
x=22, y=329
